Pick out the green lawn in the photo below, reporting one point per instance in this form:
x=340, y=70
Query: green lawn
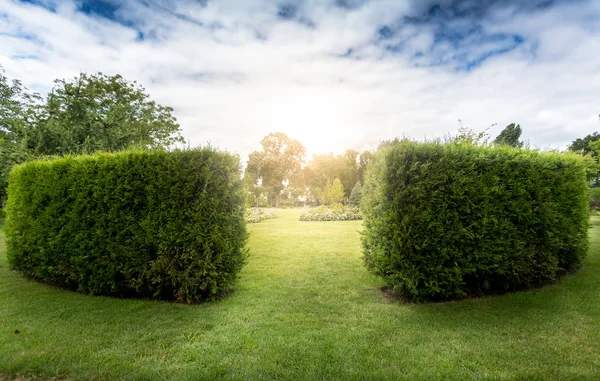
x=304, y=308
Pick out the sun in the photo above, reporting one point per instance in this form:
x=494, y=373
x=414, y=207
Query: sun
x=317, y=122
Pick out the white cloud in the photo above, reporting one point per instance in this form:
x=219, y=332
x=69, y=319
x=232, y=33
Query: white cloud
x=231, y=88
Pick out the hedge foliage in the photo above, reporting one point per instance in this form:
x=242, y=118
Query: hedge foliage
x=165, y=225
x=334, y=212
x=445, y=221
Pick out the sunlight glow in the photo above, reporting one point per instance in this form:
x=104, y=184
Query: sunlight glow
x=319, y=122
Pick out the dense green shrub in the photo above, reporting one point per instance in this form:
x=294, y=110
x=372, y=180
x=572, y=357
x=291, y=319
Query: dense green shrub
x=2, y=213
x=445, y=221
x=355, y=195
x=335, y=212
x=256, y=215
x=166, y=225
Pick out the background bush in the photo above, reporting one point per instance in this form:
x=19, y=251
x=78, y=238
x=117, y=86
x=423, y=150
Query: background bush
x=355, y=195
x=256, y=215
x=334, y=212
x=166, y=225
x=449, y=220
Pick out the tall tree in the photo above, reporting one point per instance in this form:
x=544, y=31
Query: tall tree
x=510, y=136
x=86, y=114
x=355, y=195
x=363, y=161
x=349, y=170
x=323, y=168
x=96, y=112
x=582, y=145
x=334, y=192
x=589, y=146
x=19, y=108
x=280, y=158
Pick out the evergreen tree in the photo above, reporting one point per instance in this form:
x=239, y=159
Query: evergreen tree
x=510, y=136
x=355, y=195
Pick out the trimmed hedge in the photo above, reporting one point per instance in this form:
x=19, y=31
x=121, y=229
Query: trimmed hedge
x=164, y=225
x=445, y=221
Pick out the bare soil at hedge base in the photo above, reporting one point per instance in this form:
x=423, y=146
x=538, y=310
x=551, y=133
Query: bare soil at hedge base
x=304, y=308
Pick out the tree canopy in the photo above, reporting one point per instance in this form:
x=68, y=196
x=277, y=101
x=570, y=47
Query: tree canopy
x=582, y=145
x=334, y=192
x=280, y=158
x=510, y=136
x=89, y=113
x=103, y=113
x=355, y=195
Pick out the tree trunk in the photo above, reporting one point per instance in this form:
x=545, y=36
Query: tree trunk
x=277, y=195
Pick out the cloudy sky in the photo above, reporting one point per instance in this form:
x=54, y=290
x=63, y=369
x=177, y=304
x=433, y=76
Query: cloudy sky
x=335, y=74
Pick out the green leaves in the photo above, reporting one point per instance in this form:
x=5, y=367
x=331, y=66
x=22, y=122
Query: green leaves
x=444, y=221
x=510, y=136
x=279, y=160
x=90, y=113
x=355, y=195
x=166, y=225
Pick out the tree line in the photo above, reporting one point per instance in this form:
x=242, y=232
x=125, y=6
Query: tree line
x=98, y=112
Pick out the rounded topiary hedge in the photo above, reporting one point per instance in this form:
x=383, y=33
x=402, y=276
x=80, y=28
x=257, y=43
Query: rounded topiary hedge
x=165, y=225
x=445, y=221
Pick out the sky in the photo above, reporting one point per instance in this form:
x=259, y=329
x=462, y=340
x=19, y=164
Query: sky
x=334, y=74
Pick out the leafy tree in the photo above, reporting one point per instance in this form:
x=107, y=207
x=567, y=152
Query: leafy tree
x=356, y=195
x=323, y=168
x=19, y=108
x=582, y=145
x=363, y=161
x=296, y=187
x=102, y=113
x=348, y=173
x=334, y=192
x=510, y=136
x=87, y=114
x=279, y=160
x=589, y=146
x=318, y=194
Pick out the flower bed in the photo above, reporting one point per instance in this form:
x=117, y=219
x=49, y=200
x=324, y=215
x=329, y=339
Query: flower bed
x=256, y=215
x=336, y=212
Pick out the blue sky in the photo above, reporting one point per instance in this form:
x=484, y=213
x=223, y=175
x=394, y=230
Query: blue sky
x=335, y=74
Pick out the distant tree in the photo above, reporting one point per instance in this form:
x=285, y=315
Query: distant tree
x=317, y=195
x=348, y=171
x=356, y=195
x=296, y=187
x=510, y=136
x=327, y=193
x=334, y=192
x=582, y=145
x=253, y=191
x=363, y=161
x=589, y=146
x=328, y=167
x=279, y=160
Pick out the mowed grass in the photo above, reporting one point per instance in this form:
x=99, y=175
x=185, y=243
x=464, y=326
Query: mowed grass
x=304, y=308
